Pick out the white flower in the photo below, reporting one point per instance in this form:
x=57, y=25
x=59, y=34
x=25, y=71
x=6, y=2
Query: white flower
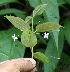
x=46, y=35
x=58, y=30
x=21, y=30
x=14, y=37
x=39, y=21
x=58, y=58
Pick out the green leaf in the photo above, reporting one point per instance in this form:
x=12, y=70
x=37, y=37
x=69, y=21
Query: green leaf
x=13, y=31
x=18, y=22
x=51, y=12
x=8, y=47
x=28, y=38
x=3, y=56
x=39, y=9
x=28, y=19
x=3, y=2
x=41, y=57
x=34, y=3
x=60, y=2
x=67, y=29
x=52, y=15
x=52, y=53
x=10, y=11
x=65, y=58
x=20, y=15
x=16, y=12
x=47, y=26
x=67, y=1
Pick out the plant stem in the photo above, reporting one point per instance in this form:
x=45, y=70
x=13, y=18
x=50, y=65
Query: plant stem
x=32, y=52
x=32, y=24
x=32, y=31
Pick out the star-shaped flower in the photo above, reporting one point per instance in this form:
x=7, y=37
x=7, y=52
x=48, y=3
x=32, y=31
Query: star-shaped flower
x=14, y=37
x=46, y=35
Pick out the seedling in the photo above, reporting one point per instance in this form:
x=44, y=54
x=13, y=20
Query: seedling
x=28, y=37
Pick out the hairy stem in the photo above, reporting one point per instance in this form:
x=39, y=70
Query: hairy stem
x=32, y=52
x=32, y=31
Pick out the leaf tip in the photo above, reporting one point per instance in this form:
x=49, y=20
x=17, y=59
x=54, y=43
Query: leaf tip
x=5, y=16
x=45, y=4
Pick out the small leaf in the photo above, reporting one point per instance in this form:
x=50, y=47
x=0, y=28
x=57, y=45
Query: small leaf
x=28, y=38
x=28, y=19
x=4, y=2
x=18, y=22
x=67, y=29
x=11, y=11
x=47, y=26
x=39, y=10
x=41, y=57
x=60, y=2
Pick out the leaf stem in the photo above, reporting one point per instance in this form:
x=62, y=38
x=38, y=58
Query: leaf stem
x=32, y=31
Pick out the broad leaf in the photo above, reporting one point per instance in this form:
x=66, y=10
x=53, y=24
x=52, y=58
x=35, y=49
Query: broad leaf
x=8, y=47
x=47, y=26
x=41, y=57
x=3, y=56
x=28, y=19
x=13, y=31
x=52, y=53
x=39, y=9
x=28, y=38
x=34, y=3
x=67, y=29
x=3, y=2
x=18, y=22
x=10, y=11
